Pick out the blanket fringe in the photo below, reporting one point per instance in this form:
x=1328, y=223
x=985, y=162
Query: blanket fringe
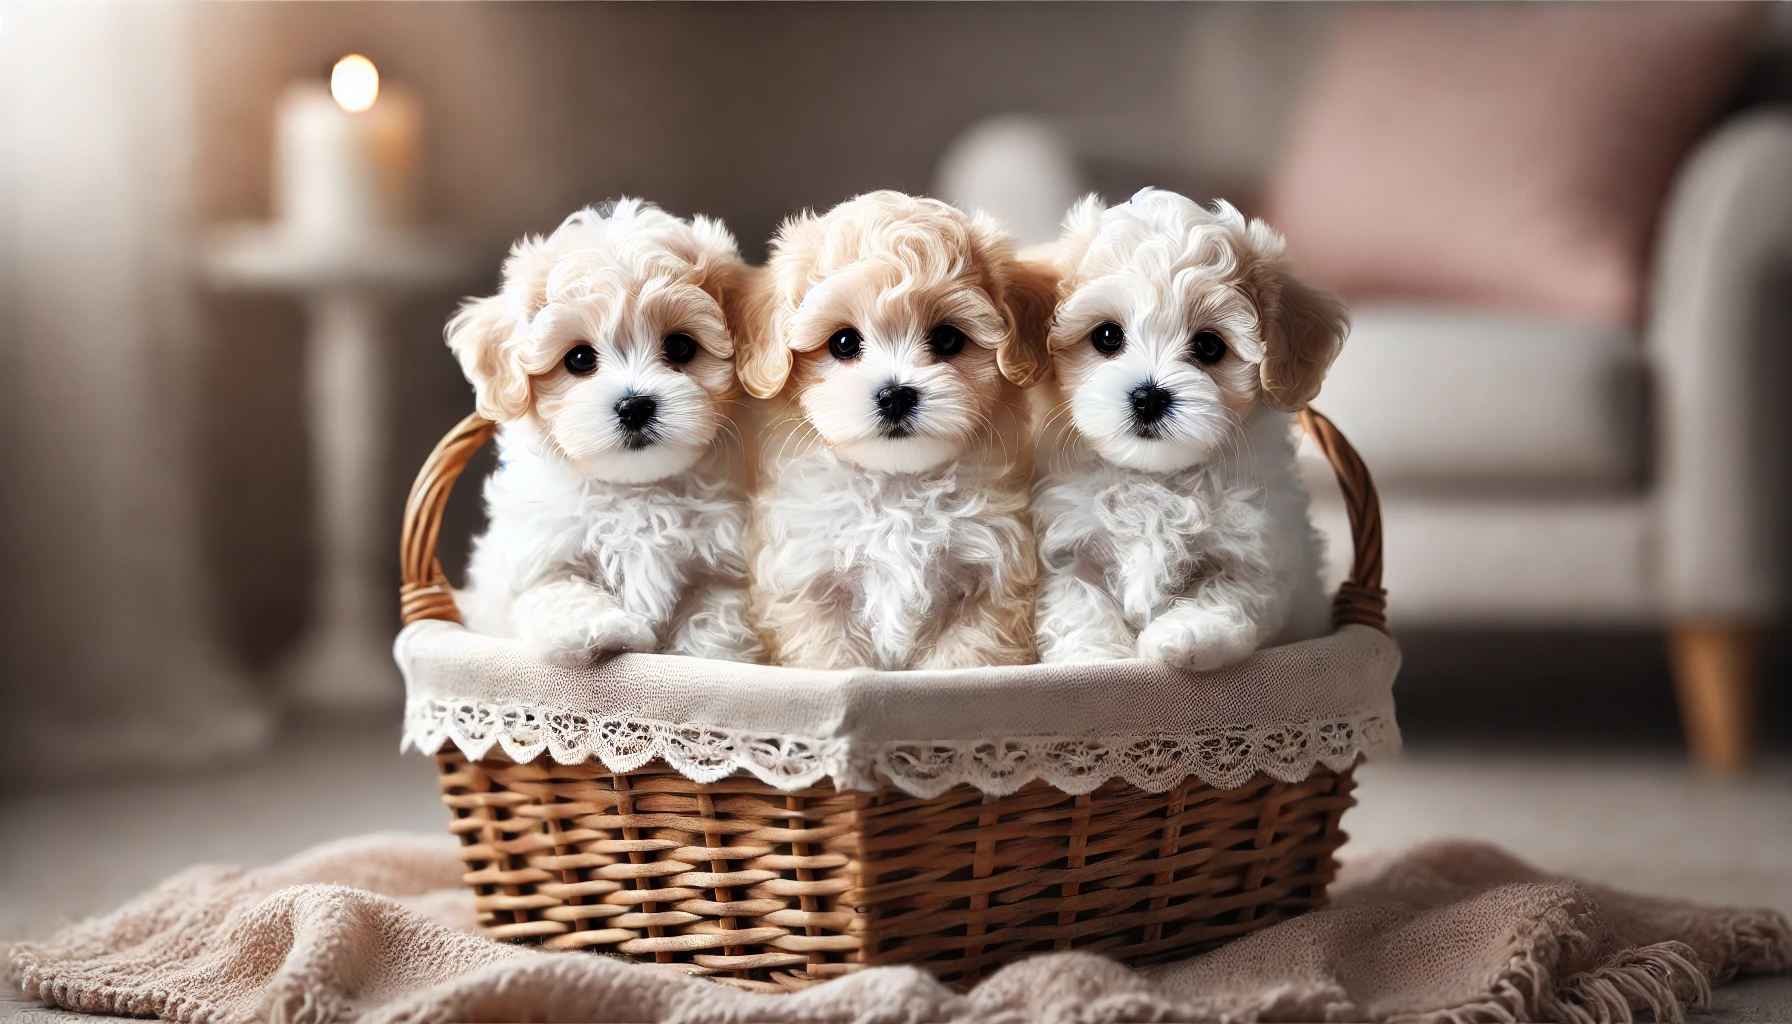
x=1666, y=979
x=1763, y=944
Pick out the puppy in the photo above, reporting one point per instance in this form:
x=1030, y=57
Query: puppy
x=894, y=334
x=608, y=361
x=1172, y=522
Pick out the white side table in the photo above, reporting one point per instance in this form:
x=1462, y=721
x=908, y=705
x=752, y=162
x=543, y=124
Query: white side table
x=346, y=285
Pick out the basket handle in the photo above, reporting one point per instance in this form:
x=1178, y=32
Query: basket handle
x=425, y=593
x=1361, y=598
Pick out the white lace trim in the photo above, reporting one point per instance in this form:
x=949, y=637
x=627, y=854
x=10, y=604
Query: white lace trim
x=1226, y=757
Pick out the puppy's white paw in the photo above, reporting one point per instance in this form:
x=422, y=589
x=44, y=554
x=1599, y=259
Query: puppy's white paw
x=579, y=643
x=571, y=623
x=618, y=630
x=1200, y=642
x=564, y=644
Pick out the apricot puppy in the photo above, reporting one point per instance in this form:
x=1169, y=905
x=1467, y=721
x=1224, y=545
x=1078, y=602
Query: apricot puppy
x=894, y=335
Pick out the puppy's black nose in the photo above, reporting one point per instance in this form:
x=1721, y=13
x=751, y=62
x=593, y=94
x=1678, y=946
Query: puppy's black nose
x=636, y=411
x=896, y=401
x=1150, y=402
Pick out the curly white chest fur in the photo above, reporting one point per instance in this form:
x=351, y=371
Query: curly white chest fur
x=1201, y=566
x=668, y=555
x=1147, y=537
x=891, y=553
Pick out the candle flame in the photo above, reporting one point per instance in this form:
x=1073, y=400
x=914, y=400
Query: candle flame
x=355, y=83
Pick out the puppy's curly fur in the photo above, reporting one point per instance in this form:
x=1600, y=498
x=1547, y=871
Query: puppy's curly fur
x=894, y=335
x=1172, y=521
x=611, y=529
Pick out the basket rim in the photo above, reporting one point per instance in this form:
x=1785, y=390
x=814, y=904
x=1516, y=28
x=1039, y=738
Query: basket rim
x=1281, y=712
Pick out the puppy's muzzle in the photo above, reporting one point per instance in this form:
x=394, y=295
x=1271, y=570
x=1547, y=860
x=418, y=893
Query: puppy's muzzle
x=1150, y=403
x=895, y=406
x=636, y=413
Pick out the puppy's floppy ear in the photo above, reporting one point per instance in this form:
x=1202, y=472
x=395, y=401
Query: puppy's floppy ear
x=743, y=295
x=762, y=360
x=763, y=357
x=721, y=273
x=1304, y=332
x=1031, y=298
x=481, y=336
x=1026, y=290
x=1082, y=225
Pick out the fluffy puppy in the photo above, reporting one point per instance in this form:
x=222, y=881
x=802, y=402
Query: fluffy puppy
x=1172, y=521
x=894, y=335
x=608, y=361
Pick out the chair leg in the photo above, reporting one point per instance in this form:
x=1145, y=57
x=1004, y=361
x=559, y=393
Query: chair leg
x=1714, y=675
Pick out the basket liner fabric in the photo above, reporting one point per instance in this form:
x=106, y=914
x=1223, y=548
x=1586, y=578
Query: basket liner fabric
x=1281, y=712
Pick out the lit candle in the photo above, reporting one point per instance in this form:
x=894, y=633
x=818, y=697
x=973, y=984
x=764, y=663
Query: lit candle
x=346, y=153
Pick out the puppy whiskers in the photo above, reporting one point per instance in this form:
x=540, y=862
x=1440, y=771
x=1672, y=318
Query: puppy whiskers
x=778, y=457
x=985, y=426
x=806, y=436
x=1020, y=427
x=812, y=440
x=1055, y=430
x=727, y=430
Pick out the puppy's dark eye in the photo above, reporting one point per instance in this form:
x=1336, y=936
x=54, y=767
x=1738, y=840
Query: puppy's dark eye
x=680, y=349
x=946, y=341
x=581, y=361
x=1208, y=347
x=845, y=343
x=1108, y=338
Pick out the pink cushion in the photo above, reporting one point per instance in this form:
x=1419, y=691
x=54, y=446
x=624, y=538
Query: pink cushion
x=1501, y=155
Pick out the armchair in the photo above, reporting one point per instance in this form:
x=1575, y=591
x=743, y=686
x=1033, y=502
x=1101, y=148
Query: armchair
x=1598, y=476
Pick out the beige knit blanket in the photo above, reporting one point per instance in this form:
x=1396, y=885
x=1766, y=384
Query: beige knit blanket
x=374, y=929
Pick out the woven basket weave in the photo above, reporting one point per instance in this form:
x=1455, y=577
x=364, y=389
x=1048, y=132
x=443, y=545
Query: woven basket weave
x=774, y=889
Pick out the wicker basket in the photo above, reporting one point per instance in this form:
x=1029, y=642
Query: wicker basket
x=768, y=888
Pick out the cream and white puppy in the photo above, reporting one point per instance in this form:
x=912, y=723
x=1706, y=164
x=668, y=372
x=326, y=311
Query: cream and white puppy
x=616, y=523
x=1172, y=521
x=891, y=509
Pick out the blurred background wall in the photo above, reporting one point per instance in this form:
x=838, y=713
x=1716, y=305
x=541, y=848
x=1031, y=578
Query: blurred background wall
x=157, y=561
